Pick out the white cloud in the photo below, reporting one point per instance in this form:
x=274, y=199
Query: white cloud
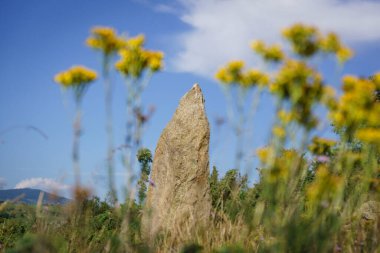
x=165, y=8
x=221, y=30
x=47, y=184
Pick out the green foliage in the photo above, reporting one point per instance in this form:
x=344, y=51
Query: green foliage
x=192, y=248
x=33, y=244
x=15, y=221
x=231, y=249
x=214, y=187
x=144, y=156
x=231, y=193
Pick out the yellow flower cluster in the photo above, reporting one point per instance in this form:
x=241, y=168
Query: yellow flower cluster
x=233, y=74
x=329, y=97
x=326, y=187
x=254, y=77
x=332, y=44
x=155, y=60
x=302, y=87
x=285, y=117
x=136, y=42
x=304, y=39
x=307, y=41
x=105, y=39
x=279, y=131
x=75, y=76
x=376, y=79
x=358, y=105
x=269, y=53
x=369, y=135
x=279, y=167
x=321, y=146
x=134, y=59
x=265, y=154
x=293, y=77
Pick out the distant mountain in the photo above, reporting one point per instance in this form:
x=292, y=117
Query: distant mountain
x=30, y=196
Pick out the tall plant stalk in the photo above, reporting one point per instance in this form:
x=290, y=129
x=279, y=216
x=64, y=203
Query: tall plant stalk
x=77, y=79
x=76, y=140
x=109, y=128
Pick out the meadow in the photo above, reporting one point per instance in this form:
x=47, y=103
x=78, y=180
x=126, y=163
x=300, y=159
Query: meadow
x=313, y=194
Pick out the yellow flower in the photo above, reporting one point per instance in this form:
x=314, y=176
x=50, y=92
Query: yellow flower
x=349, y=83
x=75, y=76
x=290, y=80
x=303, y=39
x=278, y=167
x=154, y=59
x=328, y=97
x=279, y=132
x=269, y=53
x=254, y=77
x=132, y=62
x=264, y=154
x=376, y=80
x=135, y=60
x=369, y=135
x=344, y=54
x=321, y=146
x=258, y=46
x=223, y=76
x=232, y=73
x=302, y=88
x=358, y=105
x=338, y=118
x=326, y=187
x=235, y=66
x=287, y=162
x=136, y=42
x=105, y=39
x=285, y=116
x=306, y=41
x=331, y=43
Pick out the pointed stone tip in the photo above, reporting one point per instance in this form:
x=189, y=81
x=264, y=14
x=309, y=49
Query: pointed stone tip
x=196, y=87
x=195, y=94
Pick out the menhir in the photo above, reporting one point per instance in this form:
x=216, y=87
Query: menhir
x=178, y=196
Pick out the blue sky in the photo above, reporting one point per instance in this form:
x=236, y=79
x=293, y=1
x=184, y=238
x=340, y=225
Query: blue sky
x=42, y=37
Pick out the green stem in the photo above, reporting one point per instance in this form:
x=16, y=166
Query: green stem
x=76, y=140
x=128, y=158
x=239, y=154
x=109, y=127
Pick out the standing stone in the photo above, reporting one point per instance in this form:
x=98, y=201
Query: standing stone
x=179, y=192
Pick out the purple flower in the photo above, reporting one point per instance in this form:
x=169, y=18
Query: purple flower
x=323, y=158
x=152, y=183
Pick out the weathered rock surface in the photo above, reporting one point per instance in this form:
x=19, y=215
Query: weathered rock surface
x=370, y=210
x=179, y=192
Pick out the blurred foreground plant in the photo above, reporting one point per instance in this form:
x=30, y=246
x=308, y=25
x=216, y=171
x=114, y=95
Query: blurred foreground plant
x=76, y=79
x=136, y=65
x=304, y=201
x=237, y=83
x=106, y=40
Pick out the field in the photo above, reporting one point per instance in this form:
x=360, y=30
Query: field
x=314, y=194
